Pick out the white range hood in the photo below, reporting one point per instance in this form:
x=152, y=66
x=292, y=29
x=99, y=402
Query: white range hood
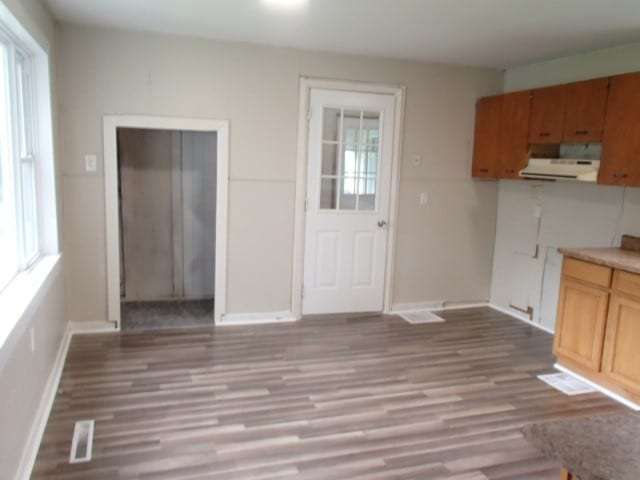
x=575, y=169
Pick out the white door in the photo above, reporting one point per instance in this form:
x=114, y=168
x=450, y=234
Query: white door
x=348, y=185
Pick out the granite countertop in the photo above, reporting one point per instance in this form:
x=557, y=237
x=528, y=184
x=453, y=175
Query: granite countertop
x=609, y=257
x=604, y=447
x=626, y=257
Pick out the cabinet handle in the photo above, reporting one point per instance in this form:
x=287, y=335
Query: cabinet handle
x=484, y=170
x=620, y=175
x=545, y=134
x=582, y=132
x=509, y=170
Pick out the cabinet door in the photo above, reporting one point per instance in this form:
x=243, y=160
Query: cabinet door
x=486, y=138
x=621, y=357
x=620, y=163
x=584, y=111
x=547, y=114
x=582, y=315
x=514, y=133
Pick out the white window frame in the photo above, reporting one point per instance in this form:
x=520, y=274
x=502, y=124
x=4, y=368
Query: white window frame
x=22, y=131
x=37, y=273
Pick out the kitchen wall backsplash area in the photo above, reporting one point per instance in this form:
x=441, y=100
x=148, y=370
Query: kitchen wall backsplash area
x=534, y=220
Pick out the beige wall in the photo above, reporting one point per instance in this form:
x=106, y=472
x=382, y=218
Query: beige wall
x=573, y=215
x=444, y=248
x=24, y=374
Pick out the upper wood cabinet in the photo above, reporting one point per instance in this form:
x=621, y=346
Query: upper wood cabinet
x=620, y=163
x=585, y=110
x=486, y=137
x=514, y=133
x=547, y=114
x=605, y=110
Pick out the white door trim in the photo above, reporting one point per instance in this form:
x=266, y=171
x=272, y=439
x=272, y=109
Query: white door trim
x=306, y=84
x=110, y=125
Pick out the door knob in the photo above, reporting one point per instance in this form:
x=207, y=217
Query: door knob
x=381, y=223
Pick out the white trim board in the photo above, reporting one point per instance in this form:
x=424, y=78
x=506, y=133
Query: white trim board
x=110, y=125
x=232, y=319
x=30, y=452
x=522, y=318
x=79, y=328
x=306, y=84
x=626, y=402
x=434, y=305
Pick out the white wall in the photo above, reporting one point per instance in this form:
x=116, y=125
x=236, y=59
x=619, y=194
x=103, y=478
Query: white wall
x=23, y=374
x=598, y=63
x=444, y=248
x=572, y=215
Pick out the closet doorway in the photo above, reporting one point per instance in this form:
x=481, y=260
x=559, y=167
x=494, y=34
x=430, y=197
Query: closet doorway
x=167, y=209
x=166, y=216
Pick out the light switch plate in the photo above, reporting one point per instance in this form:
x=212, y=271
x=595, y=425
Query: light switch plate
x=90, y=163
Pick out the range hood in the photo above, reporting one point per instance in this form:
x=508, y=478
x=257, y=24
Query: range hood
x=581, y=170
x=564, y=162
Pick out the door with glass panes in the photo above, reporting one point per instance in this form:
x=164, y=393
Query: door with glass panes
x=348, y=184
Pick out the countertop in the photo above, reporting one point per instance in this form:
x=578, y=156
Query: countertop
x=626, y=257
x=622, y=259
x=603, y=447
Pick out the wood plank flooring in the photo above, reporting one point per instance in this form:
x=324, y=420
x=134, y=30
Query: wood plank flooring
x=365, y=397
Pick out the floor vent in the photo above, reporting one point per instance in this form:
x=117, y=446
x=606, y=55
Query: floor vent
x=421, y=317
x=82, y=442
x=567, y=384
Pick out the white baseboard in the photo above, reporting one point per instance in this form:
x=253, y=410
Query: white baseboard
x=414, y=306
x=229, y=319
x=463, y=305
x=435, y=305
x=39, y=424
x=521, y=317
x=92, y=327
x=600, y=388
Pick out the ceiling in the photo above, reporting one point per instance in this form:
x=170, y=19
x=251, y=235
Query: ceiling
x=488, y=33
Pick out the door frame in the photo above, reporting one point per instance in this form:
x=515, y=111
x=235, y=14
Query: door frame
x=110, y=125
x=306, y=84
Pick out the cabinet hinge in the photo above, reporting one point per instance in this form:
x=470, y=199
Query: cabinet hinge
x=309, y=114
x=302, y=292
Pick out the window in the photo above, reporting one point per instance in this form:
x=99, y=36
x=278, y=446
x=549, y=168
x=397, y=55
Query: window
x=19, y=241
x=350, y=153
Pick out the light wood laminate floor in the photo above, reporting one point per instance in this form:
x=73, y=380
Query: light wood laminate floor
x=334, y=397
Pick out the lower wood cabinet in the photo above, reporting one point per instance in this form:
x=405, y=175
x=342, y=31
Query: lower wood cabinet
x=582, y=316
x=621, y=356
x=598, y=326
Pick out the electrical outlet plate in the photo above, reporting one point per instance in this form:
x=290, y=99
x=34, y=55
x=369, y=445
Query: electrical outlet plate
x=416, y=160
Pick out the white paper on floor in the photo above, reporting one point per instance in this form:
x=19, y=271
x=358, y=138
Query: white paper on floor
x=421, y=317
x=566, y=383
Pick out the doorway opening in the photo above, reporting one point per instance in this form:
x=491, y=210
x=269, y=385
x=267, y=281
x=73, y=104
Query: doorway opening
x=167, y=210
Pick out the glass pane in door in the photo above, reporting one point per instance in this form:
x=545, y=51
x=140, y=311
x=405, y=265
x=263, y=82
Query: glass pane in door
x=350, y=155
